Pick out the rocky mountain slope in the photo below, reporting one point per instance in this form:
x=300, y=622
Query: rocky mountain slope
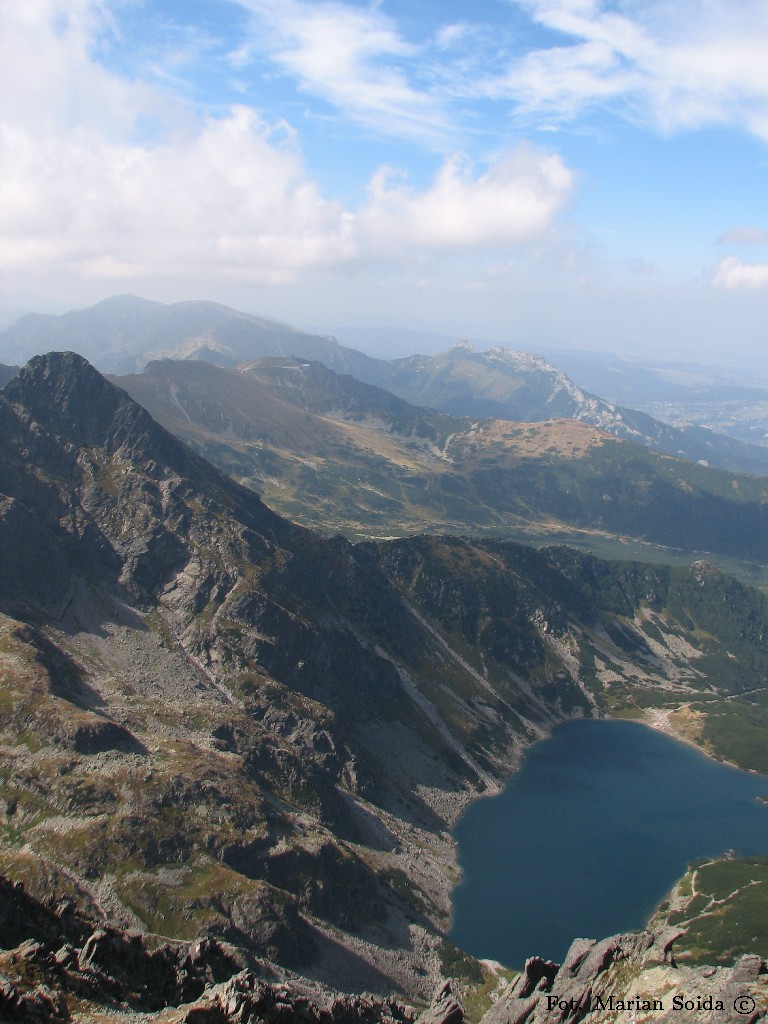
x=731, y=400
x=216, y=723
x=60, y=965
x=122, y=334
x=333, y=453
x=630, y=978
x=7, y=373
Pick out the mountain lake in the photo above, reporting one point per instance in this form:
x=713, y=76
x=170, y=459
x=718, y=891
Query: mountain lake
x=590, y=835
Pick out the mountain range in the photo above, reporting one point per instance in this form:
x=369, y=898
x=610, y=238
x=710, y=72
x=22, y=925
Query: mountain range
x=728, y=398
x=218, y=723
x=331, y=452
x=123, y=334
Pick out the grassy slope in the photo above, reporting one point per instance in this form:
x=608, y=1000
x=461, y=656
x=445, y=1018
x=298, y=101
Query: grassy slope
x=722, y=908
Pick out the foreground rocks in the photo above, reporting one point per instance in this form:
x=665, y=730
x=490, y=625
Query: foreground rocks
x=631, y=978
x=58, y=965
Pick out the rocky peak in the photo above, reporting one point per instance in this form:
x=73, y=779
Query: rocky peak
x=703, y=571
x=62, y=391
x=64, y=402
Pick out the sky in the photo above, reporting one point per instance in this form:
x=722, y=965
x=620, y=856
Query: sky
x=569, y=173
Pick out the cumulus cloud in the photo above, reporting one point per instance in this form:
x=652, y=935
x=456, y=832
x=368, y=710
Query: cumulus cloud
x=731, y=274
x=743, y=236
x=83, y=188
x=513, y=202
x=86, y=189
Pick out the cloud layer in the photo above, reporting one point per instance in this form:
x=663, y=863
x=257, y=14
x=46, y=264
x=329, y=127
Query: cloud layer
x=87, y=188
x=140, y=150
x=672, y=66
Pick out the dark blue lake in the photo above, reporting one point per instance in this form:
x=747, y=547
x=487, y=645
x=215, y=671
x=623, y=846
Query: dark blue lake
x=589, y=836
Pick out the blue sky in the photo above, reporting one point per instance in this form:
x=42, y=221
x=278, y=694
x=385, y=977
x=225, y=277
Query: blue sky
x=536, y=172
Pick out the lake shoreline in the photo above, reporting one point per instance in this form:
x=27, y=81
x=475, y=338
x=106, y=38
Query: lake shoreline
x=612, y=799
x=658, y=718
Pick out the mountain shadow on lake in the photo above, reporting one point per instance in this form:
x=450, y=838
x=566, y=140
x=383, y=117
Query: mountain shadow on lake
x=589, y=836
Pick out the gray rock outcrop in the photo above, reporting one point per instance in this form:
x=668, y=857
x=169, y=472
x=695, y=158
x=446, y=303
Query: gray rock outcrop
x=632, y=977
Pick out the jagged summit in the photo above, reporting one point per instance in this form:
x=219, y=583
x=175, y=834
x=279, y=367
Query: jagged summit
x=112, y=494
x=63, y=390
x=75, y=404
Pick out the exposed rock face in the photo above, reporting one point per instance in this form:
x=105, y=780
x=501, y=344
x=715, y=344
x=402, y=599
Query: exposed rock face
x=445, y=1008
x=245, y=998
x=276, y=929
x=628, y=978
x=71, y=952
x=68, y=959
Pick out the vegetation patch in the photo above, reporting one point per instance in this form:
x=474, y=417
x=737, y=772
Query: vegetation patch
x=478, y=1000
x=722, y=906
x=185, y=902
x=455, y=963
x=736, y=731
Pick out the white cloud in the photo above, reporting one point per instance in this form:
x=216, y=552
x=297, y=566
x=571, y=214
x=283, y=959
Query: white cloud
x=229, y=195
x=731, y=274
x=355, y=59
x=673, y=66
x=86, y=192
x=452, y=35
x=80, y=190
x=513, y=202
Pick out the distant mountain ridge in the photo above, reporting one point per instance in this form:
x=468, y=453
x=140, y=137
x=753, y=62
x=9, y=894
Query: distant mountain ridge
x=506, y=384
x=334, y=453
x=122, y=334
